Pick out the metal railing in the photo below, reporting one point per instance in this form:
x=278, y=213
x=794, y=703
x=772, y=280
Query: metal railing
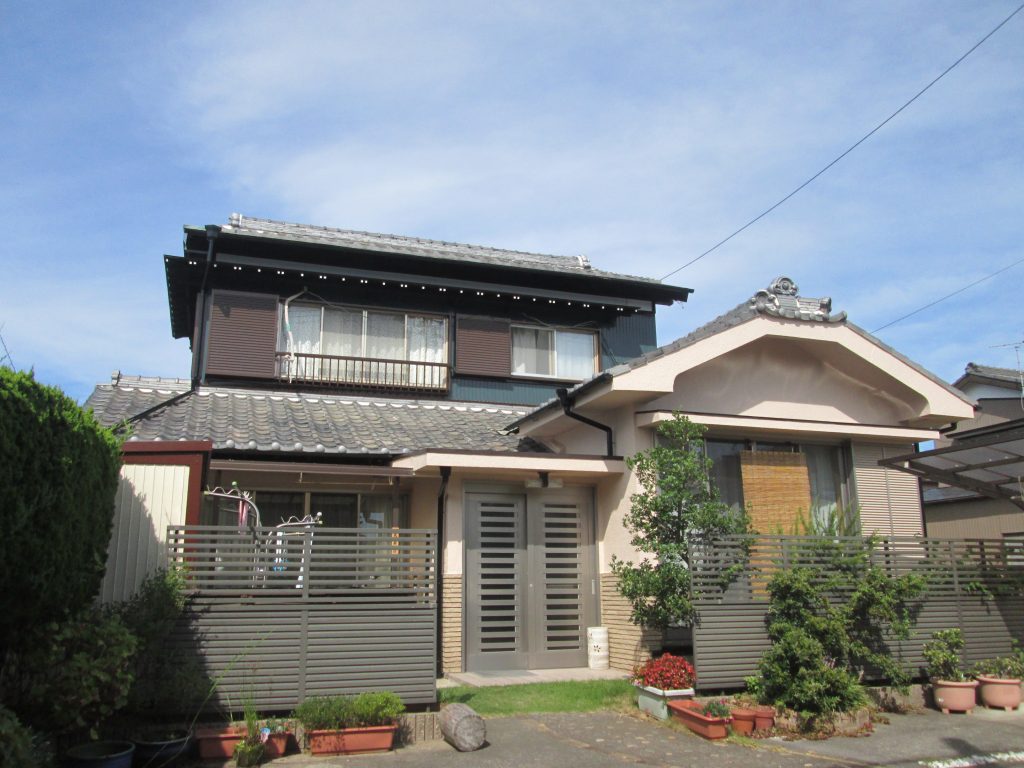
x=362, y=372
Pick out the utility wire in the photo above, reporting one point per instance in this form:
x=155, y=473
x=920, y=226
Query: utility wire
x=867, y=136
x=950, y=295
x=7, y=352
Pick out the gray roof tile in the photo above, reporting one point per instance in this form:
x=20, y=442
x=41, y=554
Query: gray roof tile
x=415, y=246
x=304, y=423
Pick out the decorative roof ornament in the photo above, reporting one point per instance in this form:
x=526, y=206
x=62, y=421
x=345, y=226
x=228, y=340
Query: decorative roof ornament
x=780, y=300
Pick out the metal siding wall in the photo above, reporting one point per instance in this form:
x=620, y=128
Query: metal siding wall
x=333, y=612
x=149, y=498
x=242, y=335
x=492, y=391
x=730, y=634
x=889, y=500
x=980, y=519
x=630, y=336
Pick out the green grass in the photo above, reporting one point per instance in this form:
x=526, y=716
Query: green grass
x=582, y=696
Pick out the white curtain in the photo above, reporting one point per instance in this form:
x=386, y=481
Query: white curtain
x=826, y=483
x=343, y=336
x=305, y=325
x=575, y=355
x=531, y=351
x=427, y=337
x=385, y=340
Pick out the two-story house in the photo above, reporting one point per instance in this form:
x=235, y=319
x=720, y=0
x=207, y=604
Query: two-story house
x=386, y=381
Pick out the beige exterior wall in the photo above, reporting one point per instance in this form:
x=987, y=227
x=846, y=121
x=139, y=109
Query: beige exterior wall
x=149, y=498
x=451, y=624
x=628, y=644
x=980, y=519
x=889, y=500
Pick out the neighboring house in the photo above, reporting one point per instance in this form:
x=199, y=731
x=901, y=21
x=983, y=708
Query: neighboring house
x=419, y=386
x=972, y=512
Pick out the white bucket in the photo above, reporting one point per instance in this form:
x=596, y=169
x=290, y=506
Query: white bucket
x=597, y=647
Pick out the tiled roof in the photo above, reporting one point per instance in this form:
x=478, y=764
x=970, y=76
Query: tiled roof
x=1009, y=375
x=302, y=423
x=415, y=246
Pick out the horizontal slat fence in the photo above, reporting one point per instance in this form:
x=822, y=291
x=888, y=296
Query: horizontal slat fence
x=280, y=615
x=975, y=585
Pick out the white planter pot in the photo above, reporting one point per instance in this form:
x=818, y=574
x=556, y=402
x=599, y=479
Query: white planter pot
x=654, y=701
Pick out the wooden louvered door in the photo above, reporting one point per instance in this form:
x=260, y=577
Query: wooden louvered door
x=531, y=588
x=563, y=586
x=496, y=586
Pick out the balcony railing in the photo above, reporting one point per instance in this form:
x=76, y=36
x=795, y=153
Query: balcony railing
x=328, y=370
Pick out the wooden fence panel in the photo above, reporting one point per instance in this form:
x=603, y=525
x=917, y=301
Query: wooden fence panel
x=975, y=585
x=280, y=616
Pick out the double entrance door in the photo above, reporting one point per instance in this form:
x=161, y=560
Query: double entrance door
x=531, y=583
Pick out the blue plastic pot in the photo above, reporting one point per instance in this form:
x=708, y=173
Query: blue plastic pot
x=101, y=754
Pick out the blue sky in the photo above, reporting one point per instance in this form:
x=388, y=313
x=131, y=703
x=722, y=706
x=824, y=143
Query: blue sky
x=637, y=133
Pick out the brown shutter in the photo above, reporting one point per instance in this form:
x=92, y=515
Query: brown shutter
x=242, y=338
x=483, y=346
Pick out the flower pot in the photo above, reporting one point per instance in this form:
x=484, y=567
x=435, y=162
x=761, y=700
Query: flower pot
x=218, y=742
x=954, y=696
x=999, y=692
x=743, y=720
x=151, y=751
x=688, y=712
x=101, y=754
x=352, y=741
x=764, y=719
x=654, y=701
x=276, y=744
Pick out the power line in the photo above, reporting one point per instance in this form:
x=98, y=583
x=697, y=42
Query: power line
x=950, y=295
x=867, y=136
x=7, y=352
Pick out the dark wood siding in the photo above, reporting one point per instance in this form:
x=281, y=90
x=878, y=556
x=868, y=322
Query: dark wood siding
x=483, y=346
x=243, y=335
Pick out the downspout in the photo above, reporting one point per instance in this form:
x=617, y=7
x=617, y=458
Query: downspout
x=446, y=473
x=567, y=403
x=212, y=230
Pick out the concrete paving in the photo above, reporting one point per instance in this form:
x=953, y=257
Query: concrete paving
x=615, y=739
x=524, y=676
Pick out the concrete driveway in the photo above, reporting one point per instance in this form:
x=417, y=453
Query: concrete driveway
x=610, y=740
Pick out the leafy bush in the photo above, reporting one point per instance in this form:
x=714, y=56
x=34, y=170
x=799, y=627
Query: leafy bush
x=821, y=646
x=169, y=676
x=58, y=478
x=716, y=708
x=667, y=672
x=379, y=708
x=76, y=674
x=1005, y=667
x=20, y=747
x=796, y=673
x=942, y=655
x=337, y=712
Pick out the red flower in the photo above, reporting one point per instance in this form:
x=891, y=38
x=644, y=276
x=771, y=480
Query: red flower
x=667, y=672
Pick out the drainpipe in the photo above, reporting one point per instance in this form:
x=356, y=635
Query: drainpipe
x=446, y=473
x=212, y=230
x=567, y=403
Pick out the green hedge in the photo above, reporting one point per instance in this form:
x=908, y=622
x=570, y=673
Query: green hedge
x=58, y=479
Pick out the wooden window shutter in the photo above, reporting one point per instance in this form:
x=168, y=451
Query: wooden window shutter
x=242, y=338
x=483, y=346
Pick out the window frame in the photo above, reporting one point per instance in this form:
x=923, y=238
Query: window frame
x=554, y=330
x=283, y=337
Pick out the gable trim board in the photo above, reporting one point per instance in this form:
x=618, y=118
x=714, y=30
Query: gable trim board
x=750, y=425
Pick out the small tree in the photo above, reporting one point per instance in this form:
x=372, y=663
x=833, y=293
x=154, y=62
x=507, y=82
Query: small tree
x=677, y=504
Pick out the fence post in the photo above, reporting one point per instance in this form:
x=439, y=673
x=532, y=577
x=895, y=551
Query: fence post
x=307, y=569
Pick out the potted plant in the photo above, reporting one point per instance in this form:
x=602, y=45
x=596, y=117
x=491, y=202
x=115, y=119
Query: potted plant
x=999, y=680
x=951, y=689
x=661, y=680
x=249, y=750
x=744, y=719
x=764, y=717
x=341, y=725
x=710, y=720
x=278, y=732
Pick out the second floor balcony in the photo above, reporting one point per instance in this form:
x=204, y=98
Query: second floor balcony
x=363, y=372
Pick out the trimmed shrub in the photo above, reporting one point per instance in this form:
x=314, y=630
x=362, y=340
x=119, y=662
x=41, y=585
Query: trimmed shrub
x=58, y=478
